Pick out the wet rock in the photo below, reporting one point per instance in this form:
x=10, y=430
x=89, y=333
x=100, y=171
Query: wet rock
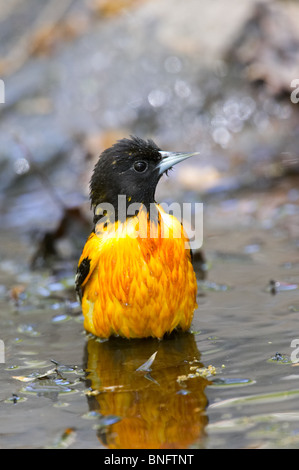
x=267, y=47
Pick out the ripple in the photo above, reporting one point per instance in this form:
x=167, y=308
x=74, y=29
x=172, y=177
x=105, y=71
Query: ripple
x=231, y=382
x=263, y=398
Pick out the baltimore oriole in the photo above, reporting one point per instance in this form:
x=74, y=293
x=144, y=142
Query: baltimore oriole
x=135, y=277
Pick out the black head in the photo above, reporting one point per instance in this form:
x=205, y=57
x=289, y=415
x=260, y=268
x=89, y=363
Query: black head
x=131, y=167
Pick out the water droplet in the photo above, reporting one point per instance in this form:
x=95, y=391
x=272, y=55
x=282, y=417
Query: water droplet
x=249, y=249
x=56, y=286
x=213, y=286
x=21, y=166
x=60, y=318
x=221, y=136
x=183, y=392
x=108, y=420
x=182, y=89
x=91, y=415
x=157, y=98
x=28, y=330
x=173, y=64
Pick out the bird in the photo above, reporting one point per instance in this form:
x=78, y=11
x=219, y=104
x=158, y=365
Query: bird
x=135, y=277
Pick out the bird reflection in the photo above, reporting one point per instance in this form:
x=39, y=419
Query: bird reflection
x=147, y=400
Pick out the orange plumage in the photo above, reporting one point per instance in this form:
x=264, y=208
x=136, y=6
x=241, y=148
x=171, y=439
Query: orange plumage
x=138, y=286
x=135, y=275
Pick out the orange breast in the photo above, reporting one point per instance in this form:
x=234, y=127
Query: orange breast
x=139, y=285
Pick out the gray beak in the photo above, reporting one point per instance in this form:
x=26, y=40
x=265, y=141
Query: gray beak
x=172, y=158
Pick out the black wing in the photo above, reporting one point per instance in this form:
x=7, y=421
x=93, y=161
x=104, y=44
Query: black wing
x=82, y=271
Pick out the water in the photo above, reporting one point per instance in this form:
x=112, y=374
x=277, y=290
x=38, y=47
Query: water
x=232, y=382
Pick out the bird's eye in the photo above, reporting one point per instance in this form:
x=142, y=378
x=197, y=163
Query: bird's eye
x=140, y=166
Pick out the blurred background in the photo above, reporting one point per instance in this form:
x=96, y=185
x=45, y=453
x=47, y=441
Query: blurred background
x=193, y=76
x=220, y=78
